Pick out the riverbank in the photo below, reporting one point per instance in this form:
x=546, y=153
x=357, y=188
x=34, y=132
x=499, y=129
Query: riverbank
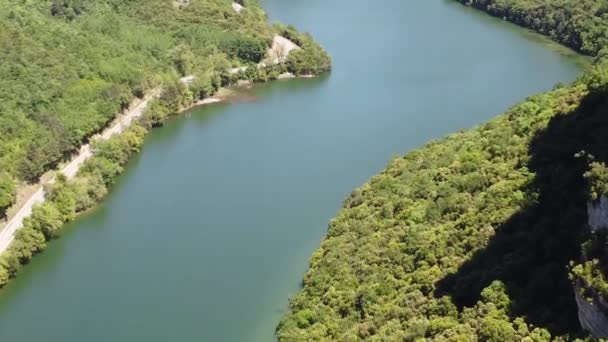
x=208, y=231
x=456, y=240
x=45, y=212
x=586, y=32
x=7, y=234
x=31, y=242
x=30, y=195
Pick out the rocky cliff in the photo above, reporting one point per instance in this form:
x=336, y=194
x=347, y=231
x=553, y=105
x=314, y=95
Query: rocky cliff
x=592, y=311
x=597, y=212
x=592, y=308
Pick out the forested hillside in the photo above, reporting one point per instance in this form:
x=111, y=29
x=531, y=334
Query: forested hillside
x=482, y=235
x=68, y=67
x=466, y=238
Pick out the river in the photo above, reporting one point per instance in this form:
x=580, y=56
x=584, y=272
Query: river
x=209, y=230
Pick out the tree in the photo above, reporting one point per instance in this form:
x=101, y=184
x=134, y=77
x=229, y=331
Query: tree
x=46, y=218
x=7, y=193
x=182, y=58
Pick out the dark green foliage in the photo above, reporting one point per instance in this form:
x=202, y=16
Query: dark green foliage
x=482, y=235
x=46, y=219
x=68, y=9
x=246, y=49
x=44, y=152
x=467, y=238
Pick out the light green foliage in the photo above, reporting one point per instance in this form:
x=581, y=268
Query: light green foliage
x=28, y=241
x=597, y=77
x=592, y=275
x=46, y=219
x=4, y=276
x=65, y=199
x=597, y=177
x=312, y=59
x=69, y=66
x=182, y=58
x=69, y=9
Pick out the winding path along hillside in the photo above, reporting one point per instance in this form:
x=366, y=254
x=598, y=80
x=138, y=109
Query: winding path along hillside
x=276, y=54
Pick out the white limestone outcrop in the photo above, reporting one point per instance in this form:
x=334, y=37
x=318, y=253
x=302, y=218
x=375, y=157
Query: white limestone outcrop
x=597, y=212
x=592, y=312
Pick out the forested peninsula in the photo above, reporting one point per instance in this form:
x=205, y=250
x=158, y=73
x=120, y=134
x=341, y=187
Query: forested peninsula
x=70, y=67
x=497, y=233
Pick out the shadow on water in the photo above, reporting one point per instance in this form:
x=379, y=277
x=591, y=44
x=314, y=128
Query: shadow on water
x=531, y=250
x=204, y=115
x=581, y=61
x=295, y=85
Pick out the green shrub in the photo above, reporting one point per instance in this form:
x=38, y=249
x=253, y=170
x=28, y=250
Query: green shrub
x=245, y=48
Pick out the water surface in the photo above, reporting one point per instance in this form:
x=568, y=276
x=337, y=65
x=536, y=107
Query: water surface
x=210, y=229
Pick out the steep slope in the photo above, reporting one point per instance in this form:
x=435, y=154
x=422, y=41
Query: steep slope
x=69, y=67
x=457, y=239
x=483, y=235
x=119, y=50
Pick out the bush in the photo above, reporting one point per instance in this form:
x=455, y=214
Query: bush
x=312, y=59
x=245, y=48
x=46, y=219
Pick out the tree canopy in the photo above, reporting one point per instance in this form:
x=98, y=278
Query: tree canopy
x=482, y=235
x=70, y=66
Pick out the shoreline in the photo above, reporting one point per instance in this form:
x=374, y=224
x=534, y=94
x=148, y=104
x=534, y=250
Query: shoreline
x=118, y=126
x=34, y=194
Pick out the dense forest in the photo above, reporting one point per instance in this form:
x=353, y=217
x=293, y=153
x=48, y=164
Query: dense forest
x=482, y=235
x=66, y=199
x=72, y=66
x=69, y=67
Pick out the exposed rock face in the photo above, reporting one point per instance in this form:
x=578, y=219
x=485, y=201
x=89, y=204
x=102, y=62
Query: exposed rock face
x=597, y=212
x=592, y=308
x=281, y=48
x=181, y=3
x=237, y=7
x=592, y=314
